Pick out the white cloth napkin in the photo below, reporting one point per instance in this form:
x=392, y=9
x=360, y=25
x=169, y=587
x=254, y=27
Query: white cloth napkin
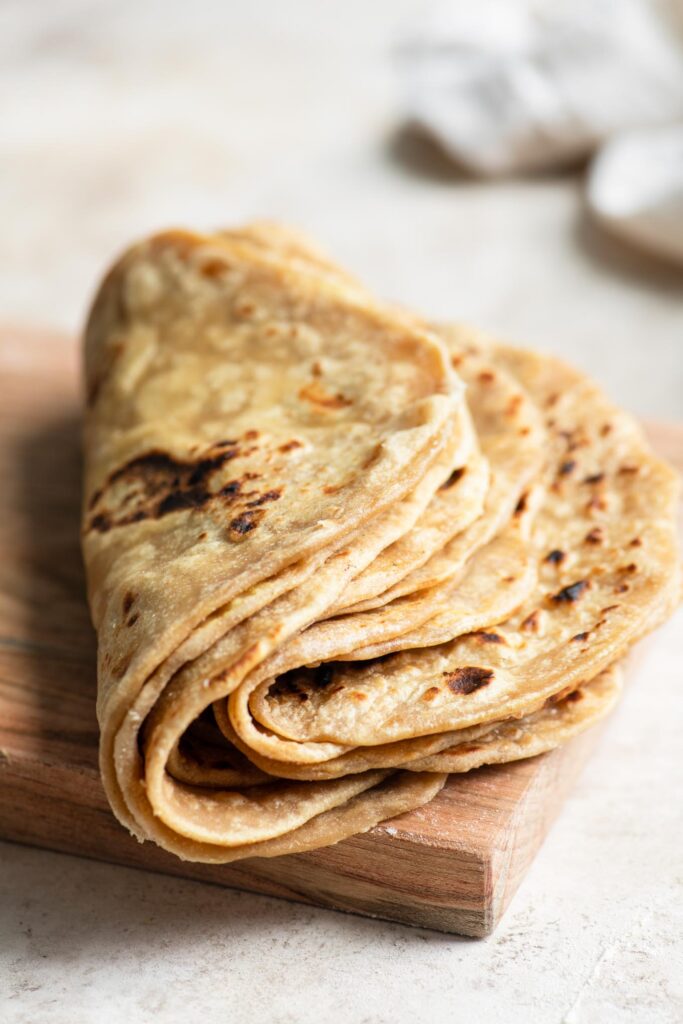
x=510, y=86
x=518, y=85
x=635, y=188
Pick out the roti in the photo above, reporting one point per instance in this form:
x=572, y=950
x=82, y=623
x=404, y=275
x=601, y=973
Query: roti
x=606, y=553
x=334, y=553
x=255, y=437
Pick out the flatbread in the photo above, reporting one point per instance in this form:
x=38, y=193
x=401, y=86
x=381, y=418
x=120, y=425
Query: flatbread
x=511, y=434
x=556, y=721
x=507, y=426
x=509, y=430
x=268, y=538
x=498, y=581
x=252, y=432
x=607, y=559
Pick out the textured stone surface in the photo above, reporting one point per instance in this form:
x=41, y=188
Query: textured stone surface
x=116, y=120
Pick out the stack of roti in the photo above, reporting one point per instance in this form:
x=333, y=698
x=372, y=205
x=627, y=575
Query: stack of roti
x=335, y=553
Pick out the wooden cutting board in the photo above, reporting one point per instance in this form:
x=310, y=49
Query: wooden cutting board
x=452, y=865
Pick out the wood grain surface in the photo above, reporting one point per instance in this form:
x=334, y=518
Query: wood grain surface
x=452, y=865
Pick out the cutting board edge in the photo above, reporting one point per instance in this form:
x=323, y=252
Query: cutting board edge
x=475, y=885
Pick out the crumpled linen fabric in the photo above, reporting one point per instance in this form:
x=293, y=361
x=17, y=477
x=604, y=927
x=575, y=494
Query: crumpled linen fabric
x=516, y=86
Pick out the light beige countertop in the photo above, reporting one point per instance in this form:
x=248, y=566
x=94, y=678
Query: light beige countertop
x=117, y=118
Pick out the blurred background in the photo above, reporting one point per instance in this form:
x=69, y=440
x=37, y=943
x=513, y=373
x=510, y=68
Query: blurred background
x=444, y=156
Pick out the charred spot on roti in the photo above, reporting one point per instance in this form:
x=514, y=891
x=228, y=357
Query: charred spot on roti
x=571, y=593
x=555, y=557
x=486, y=637
x=232, y=487
x=594, y=478
x=99, y=522
x=289, y=446
x=522, y=504
x=132, y=620
x=207, y=466
x=456, y=475
x=94, y=498
x=581, y=636
x=468, y=679
x=321, y=679
x=287, y=685
x=156, y=484
x=595, y=536
x=636, y=543
x=245, y=522
x=273, y=495
x=486, y=377
x=532, y=622
x=178, y=500
x=454, y=478
x=567, y=467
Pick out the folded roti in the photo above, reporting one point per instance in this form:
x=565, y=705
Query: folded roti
x=481, y=493
x=556, y=721
x=511, y=435
x=606, y=554
x=321, y=581
x=255, y=436
x=559, y=720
